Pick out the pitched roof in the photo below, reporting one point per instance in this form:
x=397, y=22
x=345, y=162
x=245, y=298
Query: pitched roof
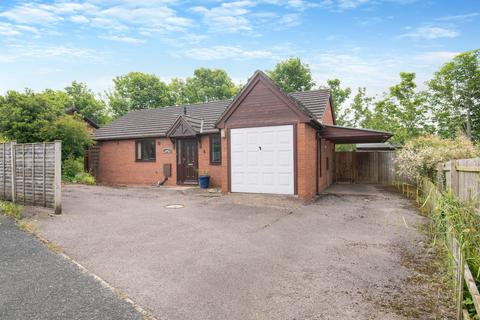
x=315, y=101
x=73, y=111
x=156, y=122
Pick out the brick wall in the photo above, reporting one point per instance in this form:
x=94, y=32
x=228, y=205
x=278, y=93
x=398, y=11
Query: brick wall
x=325, y=178
x=117, y=163
x=328, y=115
x=306, y=161
x=215, y=171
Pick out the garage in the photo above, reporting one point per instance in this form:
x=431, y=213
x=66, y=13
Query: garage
x=262, y=159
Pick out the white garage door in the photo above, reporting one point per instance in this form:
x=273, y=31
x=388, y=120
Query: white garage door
x=262, y=160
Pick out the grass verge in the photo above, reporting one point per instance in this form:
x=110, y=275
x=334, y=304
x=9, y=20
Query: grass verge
x=11, y=210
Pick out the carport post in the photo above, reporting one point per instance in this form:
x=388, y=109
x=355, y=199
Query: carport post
x=58, y=177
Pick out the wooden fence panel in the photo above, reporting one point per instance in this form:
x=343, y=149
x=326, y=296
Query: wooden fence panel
x=462, y=177
x=344, y=168
x=31, y=173
x=365, y=167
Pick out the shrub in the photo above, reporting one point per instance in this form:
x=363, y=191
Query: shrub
x=420, y=156
x=84, y=178
x=72, y=171
x=71, y=167
x=11, y=209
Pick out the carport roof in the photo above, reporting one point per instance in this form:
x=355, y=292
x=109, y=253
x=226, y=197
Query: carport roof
x=344, y=135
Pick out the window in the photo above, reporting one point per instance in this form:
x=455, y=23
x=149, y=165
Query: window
x=215, y=149
x=145, y=150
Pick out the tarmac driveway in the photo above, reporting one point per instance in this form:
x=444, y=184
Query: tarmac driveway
x=253, y=257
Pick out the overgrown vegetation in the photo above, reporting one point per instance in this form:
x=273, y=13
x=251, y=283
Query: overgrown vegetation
x=420, y=156
x=73, y=172
x=450, y=216
x=11, y=210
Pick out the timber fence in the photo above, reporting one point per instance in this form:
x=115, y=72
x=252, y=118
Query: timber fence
x=459, y=179
x=30, y=174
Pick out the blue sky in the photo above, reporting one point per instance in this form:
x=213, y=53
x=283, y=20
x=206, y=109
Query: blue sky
x=47, y=44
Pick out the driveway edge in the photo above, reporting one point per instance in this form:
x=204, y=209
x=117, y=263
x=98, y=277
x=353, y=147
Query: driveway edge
x=147, y=315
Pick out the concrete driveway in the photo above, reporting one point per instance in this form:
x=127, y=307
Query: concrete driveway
x=357, y=256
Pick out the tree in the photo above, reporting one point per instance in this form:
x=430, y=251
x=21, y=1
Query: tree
x=403, y=111
x=72, y=131
x=136, y=91
x=84, y=100
x=177, y=91
x=455, y=96
x=23, y=115
x=206, y=85
x=360, y=111
x=292, y=75
x=339, y=95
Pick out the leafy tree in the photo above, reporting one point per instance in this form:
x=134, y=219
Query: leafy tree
x=85, y=101
x=339, y=95
x=23, y=115
x=403, y=111
x=72, y=131
x=177, y=91
x=136, y=91
x=205, y=85
x=455, y=96
x=360, y=111
x=292, y=75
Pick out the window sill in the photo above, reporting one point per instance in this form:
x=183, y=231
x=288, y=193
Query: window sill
x=215, y=163
x=154, y=160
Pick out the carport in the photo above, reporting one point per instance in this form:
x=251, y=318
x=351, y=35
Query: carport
x=360, y=166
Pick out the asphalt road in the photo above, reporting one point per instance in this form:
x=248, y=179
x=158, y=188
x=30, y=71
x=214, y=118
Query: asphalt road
x=36, y=283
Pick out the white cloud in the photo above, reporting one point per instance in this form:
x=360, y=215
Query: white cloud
x=350, y=4
x=79, y=19
x=436, y=56
x=460, y=17
x=228, y=17
x=430, y=33
x=10, y=30
x=226, y=52
x=289, y=20
x=116, y=16
x=16, y=52
x=124, y=39
x=31, y=14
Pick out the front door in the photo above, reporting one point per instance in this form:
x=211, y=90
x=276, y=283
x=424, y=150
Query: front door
x=187, y=161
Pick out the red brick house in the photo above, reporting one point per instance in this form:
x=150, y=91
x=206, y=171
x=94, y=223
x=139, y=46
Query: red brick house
x=262, y=141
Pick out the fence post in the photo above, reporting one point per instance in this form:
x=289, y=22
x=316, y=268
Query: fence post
x=14, y=179
x=58, y=178
x=440, y=176
x=460, y=271
x=454, y=177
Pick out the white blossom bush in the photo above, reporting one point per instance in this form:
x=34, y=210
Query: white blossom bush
x=420, y=156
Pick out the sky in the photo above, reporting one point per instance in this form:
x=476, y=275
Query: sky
x=364, y=43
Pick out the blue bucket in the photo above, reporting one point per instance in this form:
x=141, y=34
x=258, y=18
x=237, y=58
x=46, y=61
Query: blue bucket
x=204, y=181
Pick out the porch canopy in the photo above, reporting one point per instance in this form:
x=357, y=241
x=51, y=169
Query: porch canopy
x=346, y=135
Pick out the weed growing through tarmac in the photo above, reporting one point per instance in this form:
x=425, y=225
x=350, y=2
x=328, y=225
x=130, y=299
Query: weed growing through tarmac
x=27, y=226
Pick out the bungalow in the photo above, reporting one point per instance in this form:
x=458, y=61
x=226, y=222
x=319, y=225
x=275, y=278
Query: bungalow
x=263, y=141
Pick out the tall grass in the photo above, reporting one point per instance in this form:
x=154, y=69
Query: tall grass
x=451, y=216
